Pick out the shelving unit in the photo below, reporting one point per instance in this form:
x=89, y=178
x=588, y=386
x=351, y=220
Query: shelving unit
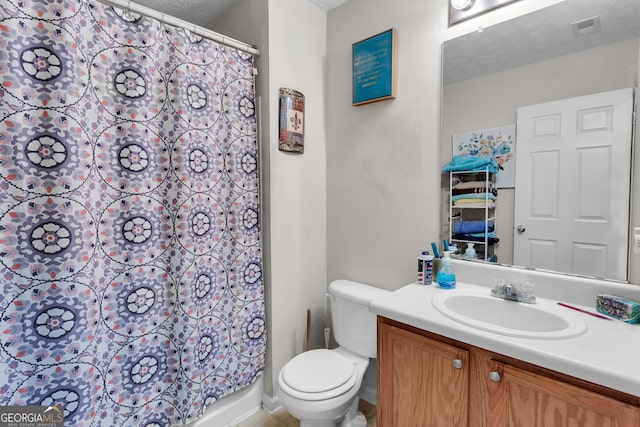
x=480, y=209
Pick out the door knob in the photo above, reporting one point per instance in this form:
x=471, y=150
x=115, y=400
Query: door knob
x=521, y=229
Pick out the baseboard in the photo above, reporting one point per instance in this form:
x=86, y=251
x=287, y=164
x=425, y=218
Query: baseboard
x=271, y=404
x=368, y=390
x=369, y=394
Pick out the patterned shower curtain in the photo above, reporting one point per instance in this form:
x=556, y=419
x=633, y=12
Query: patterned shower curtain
x=131, y=288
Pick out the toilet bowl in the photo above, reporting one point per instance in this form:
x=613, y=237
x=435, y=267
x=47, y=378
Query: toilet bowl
x=320, y=387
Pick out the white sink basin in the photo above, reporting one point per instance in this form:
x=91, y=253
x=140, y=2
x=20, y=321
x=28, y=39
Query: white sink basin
x=480, y=310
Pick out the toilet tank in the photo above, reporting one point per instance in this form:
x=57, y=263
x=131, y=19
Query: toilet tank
x=354, y=326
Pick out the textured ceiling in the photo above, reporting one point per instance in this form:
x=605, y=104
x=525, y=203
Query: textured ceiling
x=201, y=12
x=328, y=4
x=544, y=34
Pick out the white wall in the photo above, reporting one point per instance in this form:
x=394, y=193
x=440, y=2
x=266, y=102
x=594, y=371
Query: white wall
x=492, y=100
x=291, y=35
x=298, y=224
x=383, y=169
x=382, y=158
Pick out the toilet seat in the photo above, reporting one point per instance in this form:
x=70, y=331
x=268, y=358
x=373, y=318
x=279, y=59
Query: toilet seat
x=319, y=375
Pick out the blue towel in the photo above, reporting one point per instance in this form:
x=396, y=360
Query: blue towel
x=478, y=237
x=471, y=163
x=468, y=227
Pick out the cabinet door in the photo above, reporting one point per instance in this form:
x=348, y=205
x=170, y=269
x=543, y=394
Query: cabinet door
x=421, y=382
x=527, y=399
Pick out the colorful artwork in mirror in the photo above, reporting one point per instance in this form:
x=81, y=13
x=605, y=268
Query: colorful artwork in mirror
x=499, y=143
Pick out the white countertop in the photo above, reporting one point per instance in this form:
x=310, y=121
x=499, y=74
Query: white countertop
x=607, y=353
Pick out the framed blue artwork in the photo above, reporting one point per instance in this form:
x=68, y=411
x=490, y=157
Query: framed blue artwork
x=374, y=68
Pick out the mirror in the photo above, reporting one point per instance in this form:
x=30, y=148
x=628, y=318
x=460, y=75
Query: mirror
x=534, y=59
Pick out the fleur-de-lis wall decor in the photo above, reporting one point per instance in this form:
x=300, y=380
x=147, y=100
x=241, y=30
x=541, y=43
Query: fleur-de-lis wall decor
x=296, y=122
x=291, y=121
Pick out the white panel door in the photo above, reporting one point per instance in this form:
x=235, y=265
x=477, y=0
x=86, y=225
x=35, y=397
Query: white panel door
x=573, y=169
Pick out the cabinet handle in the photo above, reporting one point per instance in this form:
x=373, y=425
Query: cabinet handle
x=457, y=363
x=494, y=376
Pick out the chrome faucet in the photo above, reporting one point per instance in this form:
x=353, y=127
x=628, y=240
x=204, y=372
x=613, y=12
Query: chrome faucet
x=521, y=292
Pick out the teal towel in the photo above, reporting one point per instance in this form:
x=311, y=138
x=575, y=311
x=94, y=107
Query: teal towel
x=471, y=163
x=490, y=235
x=481, y=196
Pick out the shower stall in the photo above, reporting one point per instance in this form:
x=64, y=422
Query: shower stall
x=130, y=252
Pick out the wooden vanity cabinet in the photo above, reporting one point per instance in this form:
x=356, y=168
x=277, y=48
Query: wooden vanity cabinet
x=528, y=399
x=417, y=374
x=428, y=380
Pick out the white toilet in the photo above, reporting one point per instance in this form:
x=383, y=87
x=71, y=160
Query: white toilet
x=320, y=387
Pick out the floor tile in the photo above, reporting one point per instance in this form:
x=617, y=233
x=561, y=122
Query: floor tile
x=282, y=418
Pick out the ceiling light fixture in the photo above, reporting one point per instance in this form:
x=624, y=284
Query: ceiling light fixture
x=461, y=10
x=461, y=4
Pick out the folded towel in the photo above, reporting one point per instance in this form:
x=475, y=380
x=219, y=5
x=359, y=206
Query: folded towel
x=491, y=235
x=474, y=203
x=469, y=184
x=477, y=237
x=471, y=163
x=466, y=227
x=458, y=191
x=473, y=196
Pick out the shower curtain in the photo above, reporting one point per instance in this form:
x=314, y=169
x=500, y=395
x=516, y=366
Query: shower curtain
x=131, y=288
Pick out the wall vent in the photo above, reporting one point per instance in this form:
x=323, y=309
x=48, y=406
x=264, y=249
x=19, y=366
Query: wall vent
x=586, y=27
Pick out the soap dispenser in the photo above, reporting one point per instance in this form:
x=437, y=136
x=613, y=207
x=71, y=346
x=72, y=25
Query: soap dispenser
x=470, y=253
x=446, y=278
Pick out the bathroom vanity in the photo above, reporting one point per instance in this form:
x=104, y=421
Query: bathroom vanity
x=434, y=370
x=429, y=380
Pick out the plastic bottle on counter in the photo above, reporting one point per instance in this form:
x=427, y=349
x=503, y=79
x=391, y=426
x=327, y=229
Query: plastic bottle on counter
x=470, y=253
x=454, y=252
x=446, y=277
x=425, y=268
x=453, y=249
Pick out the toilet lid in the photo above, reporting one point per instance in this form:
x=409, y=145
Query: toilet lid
x=318, y=371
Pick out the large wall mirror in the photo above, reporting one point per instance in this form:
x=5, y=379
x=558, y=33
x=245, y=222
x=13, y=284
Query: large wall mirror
x=570, y=50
